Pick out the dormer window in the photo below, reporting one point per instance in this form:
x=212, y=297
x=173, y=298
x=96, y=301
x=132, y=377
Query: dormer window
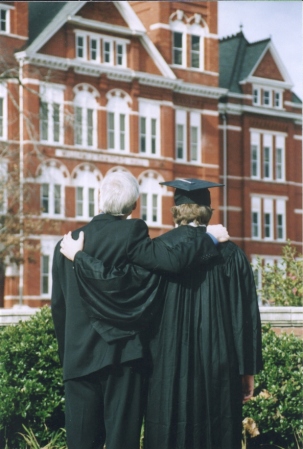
x=101, y=49
x=267, y=97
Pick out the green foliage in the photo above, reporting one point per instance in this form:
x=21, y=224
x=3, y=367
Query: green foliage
x=32, y=443
x=277, y=406
x=282, y=283
x=31, y=390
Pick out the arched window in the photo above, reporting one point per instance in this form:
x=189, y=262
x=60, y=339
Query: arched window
x=188, y=40
x=118, y=109
x=52, y=177
x=85, y=116
x=86, y=179
x=151, y=198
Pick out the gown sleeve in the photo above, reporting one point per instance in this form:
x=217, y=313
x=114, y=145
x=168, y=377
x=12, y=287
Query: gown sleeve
x=246, y=321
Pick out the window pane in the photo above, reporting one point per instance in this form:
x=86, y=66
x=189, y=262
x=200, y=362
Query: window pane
x=119, y=54
x=91, y=202
x=256, y=96
x=79, y=201
x=177, y=48
x=111, y=129
x=194, y=143
x=3, y=26
x=279, y=162
x=142, y=134
x=45, y=275
x=143, y=203
x=195, y=51
x=78, y=125
x=56, y=122
x=266, y=162
x=90, y=127
x=254, y=161
x=180, y=141
x=106, y=51
x=44, y=120
x=122, y=131
x=153, y=135
x=57, y=199
x=93, y=49
x=267, y=225
x=155, y=208
x=266, y=97
x=45, y=198
x=277, y=99
x=255, y=224
x=80, y=47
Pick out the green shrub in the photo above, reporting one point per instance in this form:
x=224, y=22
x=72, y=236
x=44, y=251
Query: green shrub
x=277, y=406
x=31, y=390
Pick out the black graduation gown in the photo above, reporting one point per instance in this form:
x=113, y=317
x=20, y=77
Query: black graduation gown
x=204, y=336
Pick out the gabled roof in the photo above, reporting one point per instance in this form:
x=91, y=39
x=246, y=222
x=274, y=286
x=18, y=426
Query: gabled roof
x=46, y=18
x=239, y=60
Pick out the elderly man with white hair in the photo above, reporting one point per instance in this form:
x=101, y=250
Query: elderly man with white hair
x=103, y=364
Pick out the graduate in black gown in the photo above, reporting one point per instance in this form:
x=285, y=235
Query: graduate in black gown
x=204, y=336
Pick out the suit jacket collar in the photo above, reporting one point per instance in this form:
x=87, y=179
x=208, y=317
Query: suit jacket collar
x=105, y=217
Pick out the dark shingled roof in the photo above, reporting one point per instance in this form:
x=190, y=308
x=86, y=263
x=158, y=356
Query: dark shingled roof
x=40, y=15
x=237, y=59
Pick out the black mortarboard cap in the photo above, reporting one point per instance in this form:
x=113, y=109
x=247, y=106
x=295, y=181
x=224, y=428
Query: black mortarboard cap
x=192, y=191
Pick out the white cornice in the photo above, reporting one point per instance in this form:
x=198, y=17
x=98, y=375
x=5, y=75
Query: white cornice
x=240, y=109
x=293, y=105
x=267, y=82
x=200, y=90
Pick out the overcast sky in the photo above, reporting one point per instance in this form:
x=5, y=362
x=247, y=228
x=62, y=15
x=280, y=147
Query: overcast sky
x=280, y=20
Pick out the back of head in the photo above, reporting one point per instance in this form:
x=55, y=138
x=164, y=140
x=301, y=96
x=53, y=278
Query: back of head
x=118, y=193
x=191, y=213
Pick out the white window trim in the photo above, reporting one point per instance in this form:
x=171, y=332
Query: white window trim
x=268, y=210
x=255, y=140
x=181, y=119
x=84, y=36
x=111, y=51
x=3, y=95
x=124, y=54
x=281, y=210
x=256, y=207
x=149, y=111
x=282, y=147
x=97, y=60
x=268, y=143
x=195, y=121
x=7, y=9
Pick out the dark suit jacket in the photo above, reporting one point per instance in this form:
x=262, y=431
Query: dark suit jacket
x=82, y=350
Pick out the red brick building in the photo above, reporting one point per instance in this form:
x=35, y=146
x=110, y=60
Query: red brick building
x=92, y=87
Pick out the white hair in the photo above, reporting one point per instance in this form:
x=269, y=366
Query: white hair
x=118, y=193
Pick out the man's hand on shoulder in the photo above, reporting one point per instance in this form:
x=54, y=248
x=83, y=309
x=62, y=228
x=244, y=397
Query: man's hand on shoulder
x=69, y=246
x=219, y=232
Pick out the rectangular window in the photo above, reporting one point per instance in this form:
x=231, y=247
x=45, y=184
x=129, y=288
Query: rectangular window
x=80, y=50
x=268, y=218
x=280, y=220
x=91, y=202
x=93, y=49
x=79, y=201
x=107, y=51
x=180, y=141
x=119, y=54
x=267, y=156
x=111, y=130
x=278, y=98
x=142, y=135
x=1, y=117
x=122, y=131
x=256, y=99
x=255, y=217
x=255, y=225
x=195, y=52
x=90, y=126
x=45, y=198
x=143, y=203
x=56, y=122
x=44, y=120
x=45, y=273
x=279, y=168
x=154, y=208
x=194, y=143
x=3, y=20
x=57, y=199
x=153, y=143
x=254, y=161
x=78, y=125
x=266, y=98
x=177, y=48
